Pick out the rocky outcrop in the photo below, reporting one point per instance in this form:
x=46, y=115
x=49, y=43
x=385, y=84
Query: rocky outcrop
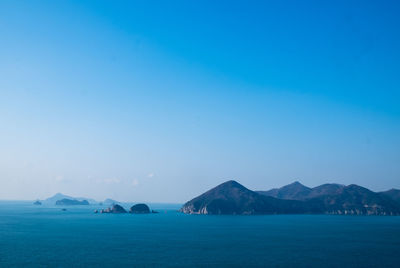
x=114, y=209
x=139, y=209
x=37, y=202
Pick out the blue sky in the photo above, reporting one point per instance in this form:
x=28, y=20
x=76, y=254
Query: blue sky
x=159, y=101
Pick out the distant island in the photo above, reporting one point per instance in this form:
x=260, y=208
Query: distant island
x=110, y=201
x=59, y=196
x=37, y=202
x=232, y=198
x=71, y=202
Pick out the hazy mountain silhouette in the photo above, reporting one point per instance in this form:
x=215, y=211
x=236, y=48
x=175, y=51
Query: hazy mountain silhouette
x=110, y=201
x=71, y=202
x=59, y=196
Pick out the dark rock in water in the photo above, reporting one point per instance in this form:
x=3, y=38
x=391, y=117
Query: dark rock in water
x=233, y=198
x=71, y=202
x=64, y=209
x=153, y=211
x=140, y=209
x=96, y=211
x=37, y=202
x=115, y=209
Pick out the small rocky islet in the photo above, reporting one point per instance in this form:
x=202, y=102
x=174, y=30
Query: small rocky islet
x=117, y=209
x=135, y=209
x=140, y=209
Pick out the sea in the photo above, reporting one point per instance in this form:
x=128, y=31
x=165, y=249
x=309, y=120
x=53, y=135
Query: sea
x=46, y=236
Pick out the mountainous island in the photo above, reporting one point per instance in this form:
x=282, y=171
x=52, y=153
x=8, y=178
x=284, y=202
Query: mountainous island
x=71, y=202
x=59, y=196
x=232, y=198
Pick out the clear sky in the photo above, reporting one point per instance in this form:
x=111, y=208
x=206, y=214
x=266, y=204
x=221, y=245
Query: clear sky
x=159, y=101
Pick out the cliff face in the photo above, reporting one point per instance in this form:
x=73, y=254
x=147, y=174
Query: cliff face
x=233, y=198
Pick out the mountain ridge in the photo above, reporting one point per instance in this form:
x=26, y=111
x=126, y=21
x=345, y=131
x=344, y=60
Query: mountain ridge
x=231, y=197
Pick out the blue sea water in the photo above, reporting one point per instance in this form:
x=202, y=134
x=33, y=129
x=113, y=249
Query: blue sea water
x=34, y=236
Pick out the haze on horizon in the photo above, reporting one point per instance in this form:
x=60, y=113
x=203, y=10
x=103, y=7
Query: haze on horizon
x=160, y=101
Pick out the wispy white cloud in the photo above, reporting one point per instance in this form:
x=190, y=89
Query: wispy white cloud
x=135, y=182
x=150, y=175
x=109, y=180
x=59, y=178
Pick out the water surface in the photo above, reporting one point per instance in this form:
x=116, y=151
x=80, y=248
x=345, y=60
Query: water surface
x=46, y=236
